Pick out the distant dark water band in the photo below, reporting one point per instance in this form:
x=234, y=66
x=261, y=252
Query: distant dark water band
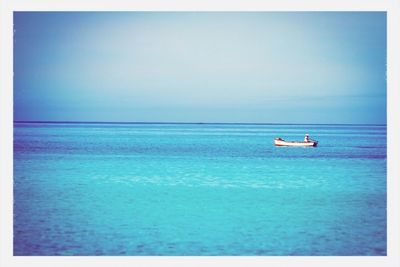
x=195, y=123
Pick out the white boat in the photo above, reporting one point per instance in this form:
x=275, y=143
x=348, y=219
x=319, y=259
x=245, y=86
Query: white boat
x=280, y=142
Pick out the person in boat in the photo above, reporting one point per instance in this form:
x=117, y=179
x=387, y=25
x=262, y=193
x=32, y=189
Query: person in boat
x=307, y=138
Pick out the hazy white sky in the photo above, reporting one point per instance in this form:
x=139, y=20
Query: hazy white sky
x=295, y=67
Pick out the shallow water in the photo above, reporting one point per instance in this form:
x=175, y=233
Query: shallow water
x=198, y=189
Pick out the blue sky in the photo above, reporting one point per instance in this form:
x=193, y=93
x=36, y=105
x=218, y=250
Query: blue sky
x=271, y=67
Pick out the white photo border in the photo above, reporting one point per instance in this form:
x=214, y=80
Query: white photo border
x=7, y=7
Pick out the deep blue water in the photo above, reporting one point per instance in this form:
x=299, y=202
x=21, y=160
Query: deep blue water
x=198, y=189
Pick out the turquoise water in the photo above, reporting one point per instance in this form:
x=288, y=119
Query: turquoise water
x=198, y=189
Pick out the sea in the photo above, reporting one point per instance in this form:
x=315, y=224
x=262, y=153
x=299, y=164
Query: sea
x=171, y=189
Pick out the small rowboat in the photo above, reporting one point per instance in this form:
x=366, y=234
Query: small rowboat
x=281, y=142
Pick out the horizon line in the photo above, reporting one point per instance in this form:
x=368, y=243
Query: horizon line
x=172, y=122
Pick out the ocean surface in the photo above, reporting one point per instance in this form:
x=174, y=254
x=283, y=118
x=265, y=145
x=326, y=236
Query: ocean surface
x=198, y=189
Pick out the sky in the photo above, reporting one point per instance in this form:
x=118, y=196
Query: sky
x=261, y=67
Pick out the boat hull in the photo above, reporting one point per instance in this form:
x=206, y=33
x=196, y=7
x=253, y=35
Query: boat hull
x=294, y=143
